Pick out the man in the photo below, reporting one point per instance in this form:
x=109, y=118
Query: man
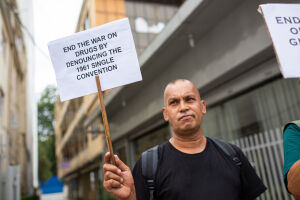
x=190, y=166
x=291, y=170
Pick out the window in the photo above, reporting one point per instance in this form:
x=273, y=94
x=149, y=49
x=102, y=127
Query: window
x=148, y=19
x=19, y=44
x=121, y=152
x=2, y=45
x=3, y=48
x=86, y=23
x=14, y=121
x=154, y=137
x=96, y=127
x=1, y=101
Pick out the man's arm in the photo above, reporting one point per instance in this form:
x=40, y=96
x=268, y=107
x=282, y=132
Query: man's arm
x=118, y=179
x=293, y=178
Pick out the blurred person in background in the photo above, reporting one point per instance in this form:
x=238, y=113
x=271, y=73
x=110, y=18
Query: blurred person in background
x=291, y=170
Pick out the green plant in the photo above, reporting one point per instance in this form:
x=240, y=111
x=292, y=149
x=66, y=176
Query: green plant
x=28, y=197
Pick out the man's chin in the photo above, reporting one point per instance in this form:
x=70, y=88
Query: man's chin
x=186, y=130
x=188, y=126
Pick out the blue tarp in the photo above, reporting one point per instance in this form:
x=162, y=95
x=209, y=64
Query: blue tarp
x=52, y=185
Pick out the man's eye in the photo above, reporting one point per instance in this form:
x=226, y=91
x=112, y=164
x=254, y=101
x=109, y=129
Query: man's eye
x=173, y=102
x=190, y=99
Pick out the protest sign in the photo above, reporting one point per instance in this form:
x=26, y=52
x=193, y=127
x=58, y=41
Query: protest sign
x=107, y=51
x=283, y=23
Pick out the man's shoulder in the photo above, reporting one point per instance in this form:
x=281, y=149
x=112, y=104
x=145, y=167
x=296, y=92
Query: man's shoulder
x=294, y=125
x=291, y=134
x=153, y=151
x=218, y=142
x=157, y=149
x=229, y=150
x=146, y=165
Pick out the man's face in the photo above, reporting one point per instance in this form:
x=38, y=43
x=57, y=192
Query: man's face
x=183, y=107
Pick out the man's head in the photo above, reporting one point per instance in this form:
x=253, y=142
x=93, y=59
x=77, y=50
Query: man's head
x=183, y=107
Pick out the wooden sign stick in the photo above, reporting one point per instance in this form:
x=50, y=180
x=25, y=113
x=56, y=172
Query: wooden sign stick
x=104, y=117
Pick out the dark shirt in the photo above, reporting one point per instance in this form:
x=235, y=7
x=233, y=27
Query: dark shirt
x=210, y=175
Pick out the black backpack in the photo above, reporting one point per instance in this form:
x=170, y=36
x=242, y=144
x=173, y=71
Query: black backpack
x=150, y=160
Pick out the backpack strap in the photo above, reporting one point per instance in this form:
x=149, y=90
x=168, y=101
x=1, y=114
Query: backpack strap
x=228, y=150
x=149, y=166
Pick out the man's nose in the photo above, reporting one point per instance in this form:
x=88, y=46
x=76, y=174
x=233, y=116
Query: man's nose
x=183, y=106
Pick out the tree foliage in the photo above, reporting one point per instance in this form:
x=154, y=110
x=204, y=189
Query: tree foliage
x=46, y=139
x=46, y=112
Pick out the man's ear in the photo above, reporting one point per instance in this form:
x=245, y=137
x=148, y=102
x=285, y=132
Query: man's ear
x=164, y=111
x=203, y=104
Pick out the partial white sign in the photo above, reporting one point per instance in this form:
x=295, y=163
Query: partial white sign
x=107, y=51
x=283, y=22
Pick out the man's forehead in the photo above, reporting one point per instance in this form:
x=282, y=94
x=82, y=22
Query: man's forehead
x=178, y=95
x=180, y=84
x=180, y=87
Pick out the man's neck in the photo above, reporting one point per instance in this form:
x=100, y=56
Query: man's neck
x=189, y=144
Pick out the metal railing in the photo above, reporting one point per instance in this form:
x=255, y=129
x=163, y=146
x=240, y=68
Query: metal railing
x=265, y=153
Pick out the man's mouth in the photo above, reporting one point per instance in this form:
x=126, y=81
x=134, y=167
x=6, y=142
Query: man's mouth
x=185, y=117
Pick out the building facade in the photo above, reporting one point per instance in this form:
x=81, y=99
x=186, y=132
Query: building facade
x=26, y=17
x=15, y=137
x=228, y=54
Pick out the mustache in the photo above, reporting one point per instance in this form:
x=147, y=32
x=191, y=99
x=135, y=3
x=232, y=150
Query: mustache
x=180, y=116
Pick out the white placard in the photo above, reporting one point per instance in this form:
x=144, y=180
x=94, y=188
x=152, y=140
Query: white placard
x=283, y=22
x=107, y=51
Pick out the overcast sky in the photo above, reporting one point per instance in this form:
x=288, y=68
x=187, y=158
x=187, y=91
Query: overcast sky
x=53, y=19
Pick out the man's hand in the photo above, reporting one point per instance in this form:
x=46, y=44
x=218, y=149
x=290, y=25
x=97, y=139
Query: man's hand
x=118, y=179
